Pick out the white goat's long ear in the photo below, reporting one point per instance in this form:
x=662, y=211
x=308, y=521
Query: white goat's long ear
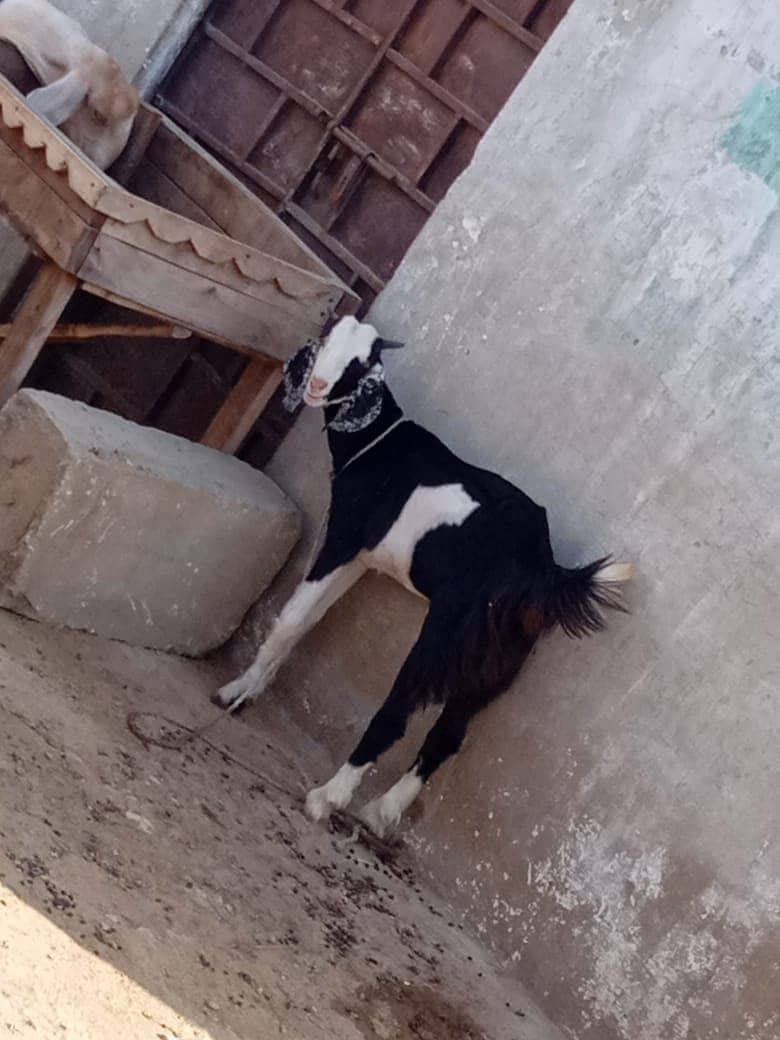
x=60, y=99
x=296, y=375
x=389, y=344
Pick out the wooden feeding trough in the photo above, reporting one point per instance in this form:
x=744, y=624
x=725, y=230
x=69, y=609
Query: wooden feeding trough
x=213, y=261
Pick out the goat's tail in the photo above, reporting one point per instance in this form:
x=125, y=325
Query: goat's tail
x=579, y=595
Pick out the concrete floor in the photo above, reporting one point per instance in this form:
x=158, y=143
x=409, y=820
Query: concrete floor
x=152, y=893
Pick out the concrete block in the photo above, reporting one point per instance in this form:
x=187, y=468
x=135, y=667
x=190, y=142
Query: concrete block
x=130, y=533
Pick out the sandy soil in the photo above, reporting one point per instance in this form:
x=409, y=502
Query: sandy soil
x=152, y=893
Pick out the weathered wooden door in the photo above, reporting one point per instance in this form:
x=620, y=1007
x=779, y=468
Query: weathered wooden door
x=353, y=117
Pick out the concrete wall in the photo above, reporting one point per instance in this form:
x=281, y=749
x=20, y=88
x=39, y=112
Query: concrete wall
x=144, y=36
x=593, y=311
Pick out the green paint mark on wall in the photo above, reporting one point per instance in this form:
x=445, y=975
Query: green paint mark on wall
x=753, y=142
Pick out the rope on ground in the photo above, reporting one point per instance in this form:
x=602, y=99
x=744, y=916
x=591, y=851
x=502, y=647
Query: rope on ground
x=188, y=735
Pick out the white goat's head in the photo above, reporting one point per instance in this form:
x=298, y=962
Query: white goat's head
x=100, y=125
x=345, y=370
x=84, y=91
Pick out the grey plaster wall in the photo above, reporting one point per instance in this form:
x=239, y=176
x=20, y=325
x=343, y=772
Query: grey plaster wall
x=593, y=311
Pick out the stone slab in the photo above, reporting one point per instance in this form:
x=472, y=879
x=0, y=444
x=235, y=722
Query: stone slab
x=130, y=533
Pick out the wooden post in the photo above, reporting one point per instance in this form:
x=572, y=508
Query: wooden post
x=81, y=331
x=37, y=315
x=241, y=409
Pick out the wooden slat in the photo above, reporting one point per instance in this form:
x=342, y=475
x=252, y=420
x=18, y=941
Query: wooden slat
x=242, y=408
x=238, y=264
x=358, y=27
x=194, y=301
x=122, y=301
x=40, y=213
x=334, y=246
x=440, y=93
x=383, y=46
x=266, y=123
x=315, y=302
x=384, y=169
x=83, y=331
x=57, y=183
x=38, y=313
x=160, y=189
x=228, y=202
x=144, y=129
x=220, y=148
x=306, y=102
x=506, y=23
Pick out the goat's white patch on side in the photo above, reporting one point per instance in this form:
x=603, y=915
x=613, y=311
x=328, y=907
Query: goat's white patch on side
x=336, y=794
x=385, y=813
x=426, y=509
x=350, y=340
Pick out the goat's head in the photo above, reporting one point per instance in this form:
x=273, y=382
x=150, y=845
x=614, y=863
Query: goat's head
x=111, y=98
x=101, y=126
x=346, y=369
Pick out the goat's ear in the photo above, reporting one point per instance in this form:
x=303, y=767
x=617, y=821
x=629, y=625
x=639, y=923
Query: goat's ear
x=389, y=344
x=296, y=375
x=60, y=99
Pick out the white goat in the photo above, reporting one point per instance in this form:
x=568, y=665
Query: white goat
x=84, y=91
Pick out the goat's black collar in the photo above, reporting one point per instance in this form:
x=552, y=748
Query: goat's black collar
x=345, y=446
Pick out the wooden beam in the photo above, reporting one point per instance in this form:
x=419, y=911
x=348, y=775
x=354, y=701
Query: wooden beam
x=38, y=313
x=509, y=25
x=38, y=210
x=145, y=126
x=439, y=92
x=187, y=297
x=233, y=422
x=68, y=333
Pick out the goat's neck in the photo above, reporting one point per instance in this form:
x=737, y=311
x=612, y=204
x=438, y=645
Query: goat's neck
x=344, y=446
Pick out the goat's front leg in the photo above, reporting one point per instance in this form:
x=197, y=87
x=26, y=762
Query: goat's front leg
x=303, y=610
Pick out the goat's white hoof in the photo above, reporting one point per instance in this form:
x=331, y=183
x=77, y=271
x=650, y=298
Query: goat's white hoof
x=237, y=693
x=376, y=820
x=318, y=805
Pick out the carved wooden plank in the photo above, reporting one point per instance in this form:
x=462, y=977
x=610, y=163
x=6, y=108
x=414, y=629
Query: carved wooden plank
x=306, y=295
x=37, y=315
x=235, y=209
x=40, y=213
x=241, y=409
x=194, y=301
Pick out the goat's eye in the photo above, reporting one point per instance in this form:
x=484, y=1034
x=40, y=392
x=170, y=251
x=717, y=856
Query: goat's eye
x=99, y=118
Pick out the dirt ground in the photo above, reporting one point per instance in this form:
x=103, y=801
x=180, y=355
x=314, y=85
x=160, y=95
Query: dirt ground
x=150, y=893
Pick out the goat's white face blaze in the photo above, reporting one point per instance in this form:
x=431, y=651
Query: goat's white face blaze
x=349, y=340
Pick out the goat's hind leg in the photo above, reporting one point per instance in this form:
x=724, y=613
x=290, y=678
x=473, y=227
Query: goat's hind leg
x=310, y=601
x=444, y=739
x=387, y=726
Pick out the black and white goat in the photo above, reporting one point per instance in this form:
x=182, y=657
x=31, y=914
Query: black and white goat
x=476, y=547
